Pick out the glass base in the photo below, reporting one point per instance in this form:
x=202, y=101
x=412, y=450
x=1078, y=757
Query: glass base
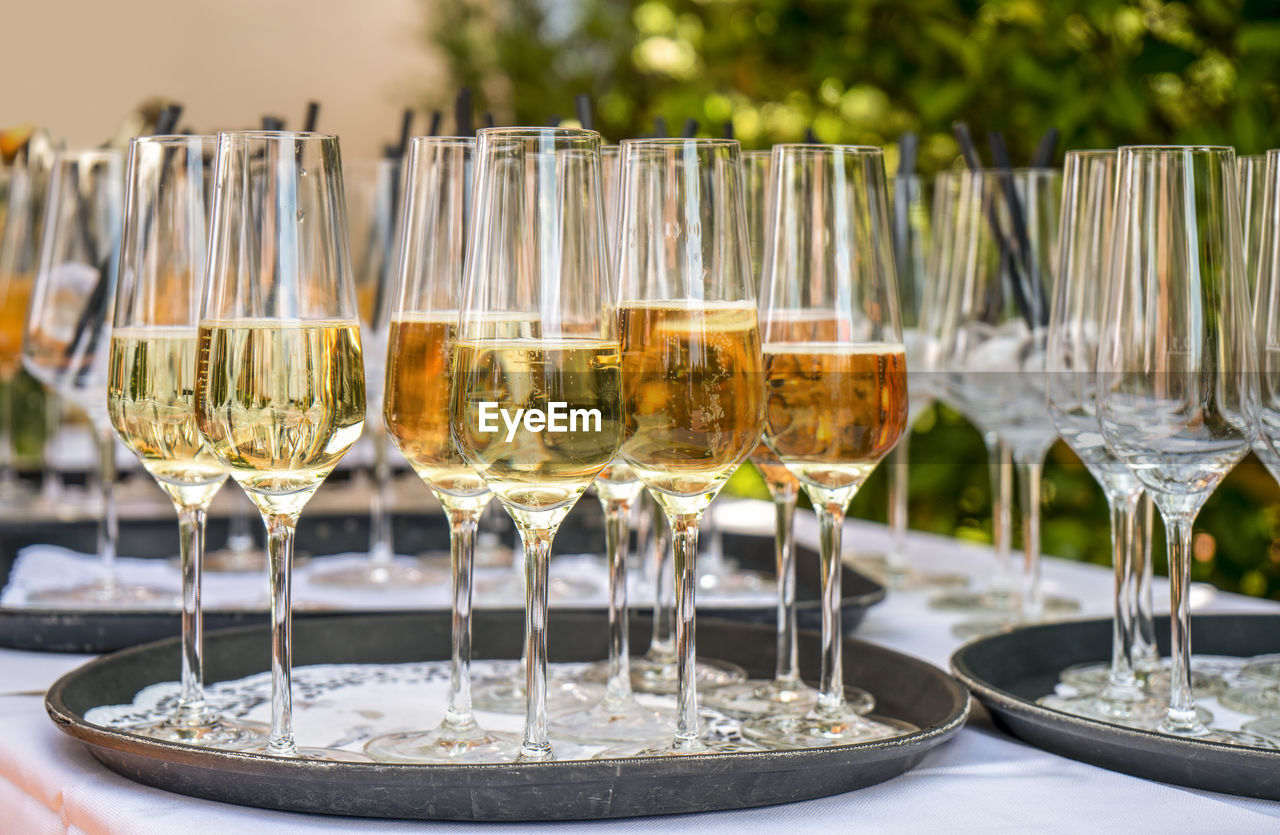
x=1246, y=737
x=667, y=748
x=733, y=582
x=510, y=586
x=975, y=602
x=1264, y=668
x=1144, y=714
x=444, y=745
x=979, y=627
x=99, y=593
x=1267, y=726
x=236, y=561
x=401, y=573
x=336, y=755
x=1204, y=684
x=659, y=677
x=1262, y=700
x=755, y=697
x=626, y=721
x=913, y=580
x=820, y=729
x=216, y=733
x=503, y=692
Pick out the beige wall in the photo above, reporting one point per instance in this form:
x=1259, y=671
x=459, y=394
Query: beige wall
x=77, y=66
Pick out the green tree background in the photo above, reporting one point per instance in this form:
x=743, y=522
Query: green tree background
x=1104, y=73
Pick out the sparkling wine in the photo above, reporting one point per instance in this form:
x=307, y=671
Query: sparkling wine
x=693, y=393
x=279, y=402
x=13, y=316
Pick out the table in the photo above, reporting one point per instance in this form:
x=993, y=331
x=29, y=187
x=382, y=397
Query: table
x=983, y=780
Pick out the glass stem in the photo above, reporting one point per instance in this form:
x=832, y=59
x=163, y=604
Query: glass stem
x=280, y=533
x=1181, y=718
x=462, y=543
x=50, y=477
x=1000, y=466
x=191, y=708
x=1121, y=680
x=617, y=513
x=684, y=540
x=831, y=525
x=8, y=479
x=108, y=526
x=1146, y=654
x=380, y=550
x=1029, y=467
x=536, y=747
x=787, y=671
x=662, y=645
x=899, y=463
x=239, y=533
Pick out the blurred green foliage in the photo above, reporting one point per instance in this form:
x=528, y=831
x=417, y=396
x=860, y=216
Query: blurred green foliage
x=865, y=71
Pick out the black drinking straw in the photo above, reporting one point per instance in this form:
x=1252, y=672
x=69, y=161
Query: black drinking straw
x=488, y=119
x=582, y=105
x=907, y=145
x=406, y=127
x=272, y=123
x=974, y=162
x=728, y=129
x=660, y=128
x=690, y=129
x=1046, y=149
x=168, y=119
x=554, y=120
x=1022, y=257
x=810, y=138
x=312, y=117
x=462, y=116
x=436, y=118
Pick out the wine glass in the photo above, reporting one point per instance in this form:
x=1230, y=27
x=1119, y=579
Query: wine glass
x=1088, y=215
x=68, y=332
x=536, y=404
x=1261, y=693
x=992, y=338
x=279, y=394
x=26, y=190
x=691, y=362
x=1252, y=173
x=424, y=321
x=373, y=189
x=835, y=378
x=150, y=381
x=944, y=266
x=1177, y=382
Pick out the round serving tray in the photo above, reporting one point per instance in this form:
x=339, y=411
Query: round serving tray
x=106, y=630
x=1008, y=671
x=906, y=688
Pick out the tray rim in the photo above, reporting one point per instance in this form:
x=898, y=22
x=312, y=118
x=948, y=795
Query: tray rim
x=99, y=739
x=1000, y=701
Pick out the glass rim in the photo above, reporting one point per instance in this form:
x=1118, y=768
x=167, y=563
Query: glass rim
x=74, y=154
x=533, y=131
x=1166, y=149
x=827, y=150
x=674, y=141
x=1093, y=152
x=276, y=134
x=992, y=173
x=172, y=138
x=757, y=153
x=444, y=141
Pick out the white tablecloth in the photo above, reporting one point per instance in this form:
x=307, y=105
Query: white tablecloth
x=981, y=781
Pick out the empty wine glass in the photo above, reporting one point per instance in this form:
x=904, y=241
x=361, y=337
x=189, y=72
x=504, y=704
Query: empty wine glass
x=1252, y=172
x=149, y=388
x=279, y=394
x=1177, y=381
x=835, y=380
x=68, y=333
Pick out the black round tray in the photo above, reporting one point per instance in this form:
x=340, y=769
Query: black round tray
x=94, y=631
x=1008, y=671
x=906, y=688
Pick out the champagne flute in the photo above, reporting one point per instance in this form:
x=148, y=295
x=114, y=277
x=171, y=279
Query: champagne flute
x=1177, y=381
x=1252, y=173
x=424, y=322
x=68, y=333
x=1261, y=694
x=279, y=394
x=1088, y=214
x=536, y=403
x=691, y=360
x=150, y=381
x=835, y=377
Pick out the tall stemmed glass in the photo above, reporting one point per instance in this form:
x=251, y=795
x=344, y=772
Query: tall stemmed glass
x=992, y=343
x=1262, y=694
x=945, y=268
x=69, y=331
x=151, y=382
x=835, y=377
x=424, y=324
x=536, y=404
x=279, y=393
x=1088, y=214
x=1252, y=173
x=1177, y=381
x=20, y=235
x=690, y=357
